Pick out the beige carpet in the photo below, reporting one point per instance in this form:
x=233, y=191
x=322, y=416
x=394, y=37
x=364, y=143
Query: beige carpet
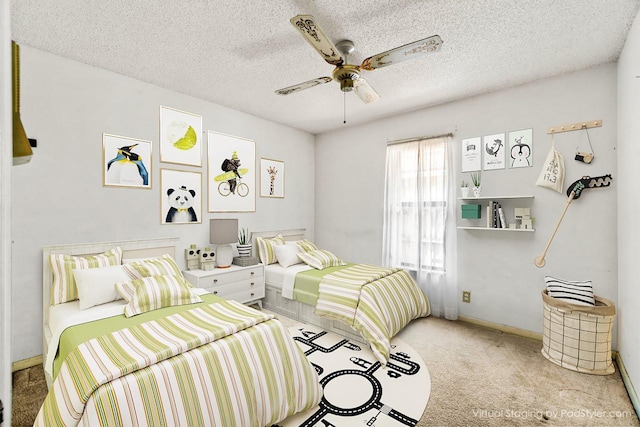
x=479, y=377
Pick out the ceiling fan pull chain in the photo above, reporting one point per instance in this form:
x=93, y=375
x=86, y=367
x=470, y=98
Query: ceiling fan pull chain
x=344, y=117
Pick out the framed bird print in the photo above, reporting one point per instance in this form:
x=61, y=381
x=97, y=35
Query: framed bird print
x=180, y=197
x=126, y=162
x=494, y=149
x=180, y=137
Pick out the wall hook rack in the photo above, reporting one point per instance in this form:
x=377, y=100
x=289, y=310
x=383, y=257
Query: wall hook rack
x=575, y=126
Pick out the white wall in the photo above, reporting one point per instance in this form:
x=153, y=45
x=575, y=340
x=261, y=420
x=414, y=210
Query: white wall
x=59, y=198
x=629, y=176
x=497, y=267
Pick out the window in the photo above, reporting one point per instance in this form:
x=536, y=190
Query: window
x=416, y=205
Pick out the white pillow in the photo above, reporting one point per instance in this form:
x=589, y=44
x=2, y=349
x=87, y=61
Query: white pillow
x=97, y=285
x=287, y=254
x=575, y=292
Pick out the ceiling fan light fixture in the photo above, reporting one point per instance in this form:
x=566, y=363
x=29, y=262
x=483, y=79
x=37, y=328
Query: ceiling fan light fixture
x=345, y=75
x=346, y=85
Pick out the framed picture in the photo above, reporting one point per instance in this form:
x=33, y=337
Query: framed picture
x=231, y=177
x=180, y=137
x=126, y=162
x=471, y=154
x=180, y=197
x=521, y=148
x=271, y=178
x=494, y=149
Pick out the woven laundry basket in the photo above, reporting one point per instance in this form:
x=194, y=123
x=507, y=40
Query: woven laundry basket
x=578, y=337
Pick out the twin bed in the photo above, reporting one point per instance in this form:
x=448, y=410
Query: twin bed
x=199, y=361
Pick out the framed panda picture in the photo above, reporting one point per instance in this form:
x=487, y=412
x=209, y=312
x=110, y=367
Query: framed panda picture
x=180, y=197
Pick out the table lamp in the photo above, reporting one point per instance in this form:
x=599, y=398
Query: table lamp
x=222, y=232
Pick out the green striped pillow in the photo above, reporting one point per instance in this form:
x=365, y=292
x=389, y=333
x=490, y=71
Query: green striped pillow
x=320, y=259
x=63, y=287
x=265, y=248
x=152, y=293
x=306, y=245
x=160, y=266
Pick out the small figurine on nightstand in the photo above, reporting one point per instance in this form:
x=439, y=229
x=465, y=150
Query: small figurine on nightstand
x=192, y=255
x=207, y=259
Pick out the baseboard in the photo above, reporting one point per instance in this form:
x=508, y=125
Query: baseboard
x=27, y=363
x=631, y=391
x=503, y=328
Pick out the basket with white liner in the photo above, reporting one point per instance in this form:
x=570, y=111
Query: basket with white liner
x=578, y=337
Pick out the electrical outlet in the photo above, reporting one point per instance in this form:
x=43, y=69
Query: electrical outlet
x=466, y=296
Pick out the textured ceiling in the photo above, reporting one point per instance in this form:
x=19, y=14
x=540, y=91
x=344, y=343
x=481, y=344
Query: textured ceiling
x=236, y=53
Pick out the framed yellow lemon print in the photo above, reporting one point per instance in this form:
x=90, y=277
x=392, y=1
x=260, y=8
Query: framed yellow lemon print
x=180, y=137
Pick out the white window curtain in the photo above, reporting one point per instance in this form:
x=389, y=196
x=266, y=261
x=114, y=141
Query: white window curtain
x=419, y=222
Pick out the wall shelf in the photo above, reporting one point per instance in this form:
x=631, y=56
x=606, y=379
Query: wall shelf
x=526, y=230
x=471, y=198
x=485, y=199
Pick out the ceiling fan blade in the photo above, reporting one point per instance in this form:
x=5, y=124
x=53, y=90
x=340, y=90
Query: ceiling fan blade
x=303, y=86
x=403, y=53
x=364, y=91
x=316, y=38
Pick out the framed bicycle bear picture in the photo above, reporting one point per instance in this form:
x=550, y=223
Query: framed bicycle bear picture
x=231, y=175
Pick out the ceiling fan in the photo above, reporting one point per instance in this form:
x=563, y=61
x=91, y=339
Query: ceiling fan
x=348, y=75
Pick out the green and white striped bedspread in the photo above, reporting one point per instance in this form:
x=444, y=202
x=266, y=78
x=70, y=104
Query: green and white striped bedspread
x=222, y=364
x=376, y=301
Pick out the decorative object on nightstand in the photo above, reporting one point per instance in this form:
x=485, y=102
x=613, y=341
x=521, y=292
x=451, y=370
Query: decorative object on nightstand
x=244, y=245
x=475, y=179
x=245, y=261
x=192, y=256
x=207, y=259
x=242, y=284
x=223, y=232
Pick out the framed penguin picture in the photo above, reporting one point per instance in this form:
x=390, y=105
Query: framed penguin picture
x=180, y=197
x=126, y=162
x=521, y=148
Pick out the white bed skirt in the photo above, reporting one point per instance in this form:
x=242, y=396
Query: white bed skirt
x=304, y=313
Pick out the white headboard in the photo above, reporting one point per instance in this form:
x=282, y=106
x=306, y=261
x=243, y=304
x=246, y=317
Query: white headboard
x=130, y=249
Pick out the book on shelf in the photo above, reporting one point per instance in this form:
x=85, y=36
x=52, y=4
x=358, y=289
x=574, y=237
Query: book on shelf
x=489, y=218
x=503, y=222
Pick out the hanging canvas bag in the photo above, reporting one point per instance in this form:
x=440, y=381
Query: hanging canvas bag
x=552, y=173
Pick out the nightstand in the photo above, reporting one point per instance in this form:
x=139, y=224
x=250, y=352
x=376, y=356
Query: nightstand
x=242, y=284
